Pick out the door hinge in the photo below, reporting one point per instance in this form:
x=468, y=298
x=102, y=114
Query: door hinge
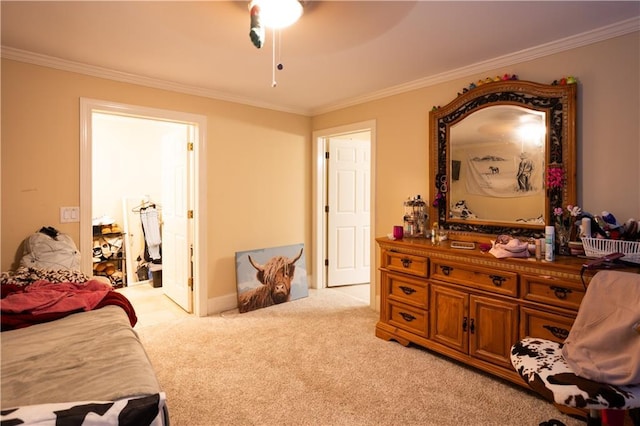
x=189, y=214
x=326, y=262
x=190, y=283
x=189, y=146
x=326, y=209
x=326, y=155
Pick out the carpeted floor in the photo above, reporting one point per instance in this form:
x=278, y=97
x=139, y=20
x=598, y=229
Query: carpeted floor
x=316, y=361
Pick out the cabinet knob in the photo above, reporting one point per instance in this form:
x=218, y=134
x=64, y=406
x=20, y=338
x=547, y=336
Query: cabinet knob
x=560, y=333
x=407, y=317
x=464, y=324
x=407, y=290
x=560, y=292
x=446, y=270
x=497, y=280
x=472, y=326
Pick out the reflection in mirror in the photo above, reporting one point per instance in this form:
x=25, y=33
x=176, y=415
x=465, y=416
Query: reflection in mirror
x=491, y=150
x=497, y=166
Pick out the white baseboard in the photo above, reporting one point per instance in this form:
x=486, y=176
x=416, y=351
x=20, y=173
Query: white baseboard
x=221, y=304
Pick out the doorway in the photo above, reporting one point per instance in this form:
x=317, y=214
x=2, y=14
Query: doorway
x=342, y=207
x=187, y=284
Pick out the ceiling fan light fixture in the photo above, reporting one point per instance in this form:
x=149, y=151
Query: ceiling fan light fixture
x=278, y=13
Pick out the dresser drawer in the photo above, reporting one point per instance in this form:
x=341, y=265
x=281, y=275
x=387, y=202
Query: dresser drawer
x=405, y=263
x=546, y=325
x=552, y=291
x=404, y=289
x=501, y=282
x=408, y=318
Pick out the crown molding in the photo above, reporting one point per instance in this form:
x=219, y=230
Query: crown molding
x=599, y=34
x=572, y=42
x=110, y=74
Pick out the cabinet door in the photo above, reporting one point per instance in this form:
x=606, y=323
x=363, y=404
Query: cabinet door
x=492, y=329
x=449, y=319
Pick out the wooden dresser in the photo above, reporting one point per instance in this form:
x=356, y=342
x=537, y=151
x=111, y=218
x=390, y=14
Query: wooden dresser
x=471, y=306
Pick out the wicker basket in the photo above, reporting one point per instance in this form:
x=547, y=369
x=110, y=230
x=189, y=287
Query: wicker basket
x=598, y=247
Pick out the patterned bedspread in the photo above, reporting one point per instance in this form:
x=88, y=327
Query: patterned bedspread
x=32, y=296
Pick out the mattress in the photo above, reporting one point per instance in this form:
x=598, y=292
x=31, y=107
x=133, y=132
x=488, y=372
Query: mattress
x=87, y=356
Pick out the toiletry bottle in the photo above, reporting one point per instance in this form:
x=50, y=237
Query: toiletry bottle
x=549, y=241
x=585, y=228
x=434, y=233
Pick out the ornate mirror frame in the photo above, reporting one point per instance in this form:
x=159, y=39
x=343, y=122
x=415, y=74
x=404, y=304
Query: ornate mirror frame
x=557, y=102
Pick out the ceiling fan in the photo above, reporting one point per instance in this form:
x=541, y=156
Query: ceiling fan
x=274, y=14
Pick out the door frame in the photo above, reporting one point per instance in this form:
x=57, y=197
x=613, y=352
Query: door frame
x=87, y=108
x=319, y=199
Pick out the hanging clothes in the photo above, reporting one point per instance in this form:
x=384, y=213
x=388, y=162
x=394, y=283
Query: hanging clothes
x=151, y=230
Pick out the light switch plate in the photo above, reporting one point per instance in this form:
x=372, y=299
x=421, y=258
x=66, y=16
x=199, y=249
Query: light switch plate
x=69, y=214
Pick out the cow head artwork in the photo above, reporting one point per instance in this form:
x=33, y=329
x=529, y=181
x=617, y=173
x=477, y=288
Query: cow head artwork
x=275, y=278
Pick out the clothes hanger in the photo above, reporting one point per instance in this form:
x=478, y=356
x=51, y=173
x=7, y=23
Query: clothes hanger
x=142, y=206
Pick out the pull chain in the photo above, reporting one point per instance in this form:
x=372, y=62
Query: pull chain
x=273, y=58
x=279, y=66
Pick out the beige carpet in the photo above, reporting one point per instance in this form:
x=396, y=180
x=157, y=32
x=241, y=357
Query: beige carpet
x=316, y=361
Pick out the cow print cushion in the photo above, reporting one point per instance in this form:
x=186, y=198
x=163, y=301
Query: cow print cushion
x=541, y=364
x=135, y=411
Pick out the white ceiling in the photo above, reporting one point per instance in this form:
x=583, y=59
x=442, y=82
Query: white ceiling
x=339, y=53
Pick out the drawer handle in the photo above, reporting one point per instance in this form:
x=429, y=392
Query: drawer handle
x=446, y=269
x=407, y=317
x=560, y=333
x=405, y=262
x=560, y=292
x=407, y=290
x=497, y=280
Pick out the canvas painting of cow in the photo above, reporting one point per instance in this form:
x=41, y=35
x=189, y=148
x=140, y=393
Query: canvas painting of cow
x=270, y=276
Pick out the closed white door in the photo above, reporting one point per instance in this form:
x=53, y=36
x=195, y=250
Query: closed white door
x=176, y=225
x=349, y=207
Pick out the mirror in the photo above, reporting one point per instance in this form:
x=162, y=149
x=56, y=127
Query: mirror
x=491, y=152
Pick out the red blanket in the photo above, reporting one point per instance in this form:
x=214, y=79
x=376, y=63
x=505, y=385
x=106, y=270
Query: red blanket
x=43, y=301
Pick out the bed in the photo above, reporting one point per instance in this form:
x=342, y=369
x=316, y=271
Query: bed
x=77, y=362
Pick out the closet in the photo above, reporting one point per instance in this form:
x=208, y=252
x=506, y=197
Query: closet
x=126, y=174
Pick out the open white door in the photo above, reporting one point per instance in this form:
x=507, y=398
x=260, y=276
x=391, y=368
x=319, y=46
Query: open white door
x=176, y=225
x=348, y=221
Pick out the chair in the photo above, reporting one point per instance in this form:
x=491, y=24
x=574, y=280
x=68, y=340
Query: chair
x=597, y=368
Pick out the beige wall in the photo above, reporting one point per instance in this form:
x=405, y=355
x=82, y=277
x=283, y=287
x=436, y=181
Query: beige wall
x=608, y=129
x=258, y=164
x=259, y=161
